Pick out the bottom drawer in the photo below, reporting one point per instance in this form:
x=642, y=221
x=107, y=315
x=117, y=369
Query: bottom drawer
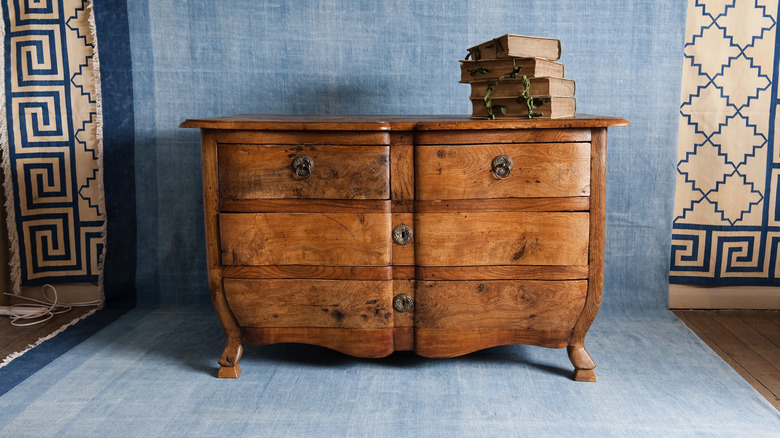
x=499, y=304
x=310, y=303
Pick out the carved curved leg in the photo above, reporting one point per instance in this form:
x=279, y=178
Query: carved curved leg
x=228, y=362
x=583, y=364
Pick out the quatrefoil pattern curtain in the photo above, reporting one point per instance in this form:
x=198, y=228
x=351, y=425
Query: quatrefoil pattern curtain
x=727, y=217
x=50, y=140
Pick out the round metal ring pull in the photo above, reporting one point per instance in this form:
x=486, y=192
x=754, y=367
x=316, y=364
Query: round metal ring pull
x=402, y=234
x=502, y=166
x=302, y=165
x=403, y=303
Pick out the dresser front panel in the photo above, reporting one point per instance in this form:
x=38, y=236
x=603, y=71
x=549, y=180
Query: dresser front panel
x=341, y=239
x=513, y=238
x=259, y=171
x=539, y=170
x=311, y=303
x=404, y=235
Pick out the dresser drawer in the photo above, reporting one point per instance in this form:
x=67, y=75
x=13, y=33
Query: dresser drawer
x=517, y=238
x=508, y=305
x=537, y=170
x=315, y=303
x=254, y=171
x=340, y=239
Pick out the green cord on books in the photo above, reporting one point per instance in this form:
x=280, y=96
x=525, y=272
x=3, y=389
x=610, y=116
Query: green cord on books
x=529, y=100
x=491, y=86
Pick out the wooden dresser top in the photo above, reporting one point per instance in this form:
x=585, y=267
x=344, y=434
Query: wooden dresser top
x=263, y=122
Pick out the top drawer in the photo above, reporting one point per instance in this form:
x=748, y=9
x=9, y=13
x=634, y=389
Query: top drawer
x=267, y=171
x=511, y=170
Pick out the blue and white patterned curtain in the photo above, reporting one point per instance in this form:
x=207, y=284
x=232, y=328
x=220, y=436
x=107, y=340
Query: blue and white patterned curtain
x=51, y=141
x=727, y=218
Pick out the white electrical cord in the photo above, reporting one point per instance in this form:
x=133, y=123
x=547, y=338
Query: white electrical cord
x=31, y=314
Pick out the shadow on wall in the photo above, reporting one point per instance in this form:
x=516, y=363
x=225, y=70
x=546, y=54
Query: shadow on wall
x=366, y=96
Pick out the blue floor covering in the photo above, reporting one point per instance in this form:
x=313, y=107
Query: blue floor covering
x=152, y=373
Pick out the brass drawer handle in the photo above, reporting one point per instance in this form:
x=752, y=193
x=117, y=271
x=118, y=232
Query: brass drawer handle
x=403, y=303
x=502, y=166
x=402, y=234
x=302, y=166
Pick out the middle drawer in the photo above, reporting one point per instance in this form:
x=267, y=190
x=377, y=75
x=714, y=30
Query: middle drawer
x=336, y=239
x=502, y=239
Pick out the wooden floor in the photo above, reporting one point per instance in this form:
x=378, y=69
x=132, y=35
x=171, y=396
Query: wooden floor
x=748, y=340
x=15, y=339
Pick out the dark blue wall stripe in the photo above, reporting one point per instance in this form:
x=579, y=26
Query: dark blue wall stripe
x=113, y=35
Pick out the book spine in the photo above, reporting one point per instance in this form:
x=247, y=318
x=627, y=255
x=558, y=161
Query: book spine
x=550, y=108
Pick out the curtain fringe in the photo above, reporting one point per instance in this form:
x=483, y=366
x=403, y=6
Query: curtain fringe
x=8, y=185
x=99, y=137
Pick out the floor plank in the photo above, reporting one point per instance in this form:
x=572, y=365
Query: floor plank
x=766, y=323
x=14, y=339
x=743, y=340
x=755, y=340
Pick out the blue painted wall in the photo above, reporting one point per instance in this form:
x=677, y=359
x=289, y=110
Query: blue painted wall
x=201, y=58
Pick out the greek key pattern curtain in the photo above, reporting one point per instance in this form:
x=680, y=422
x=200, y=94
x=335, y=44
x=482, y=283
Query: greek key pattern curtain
x=51, y=147
x=727, y=219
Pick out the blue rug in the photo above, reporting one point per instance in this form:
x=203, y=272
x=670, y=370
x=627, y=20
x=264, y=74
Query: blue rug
x=151, y=373
x=36, y=358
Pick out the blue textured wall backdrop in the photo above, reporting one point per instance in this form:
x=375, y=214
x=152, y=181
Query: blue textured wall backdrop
x=201, y=59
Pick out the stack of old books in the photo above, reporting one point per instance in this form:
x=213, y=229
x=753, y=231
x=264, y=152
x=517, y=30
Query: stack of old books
x=517, y=76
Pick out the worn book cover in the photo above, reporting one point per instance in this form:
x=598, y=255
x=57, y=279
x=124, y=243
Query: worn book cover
x=471, y=70
x=513, y=87
x=547, y=107
x=517, y=46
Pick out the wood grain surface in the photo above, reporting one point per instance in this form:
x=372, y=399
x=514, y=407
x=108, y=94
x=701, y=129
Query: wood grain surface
x=501, y=272
x=539, y=170
x=452, y=342
x=402, y=166
x=307, y=206
x=579, y=203
x=404, y=319
x=577, y=353
x=493, y=261
x=496, y=304
x=310, y=271
x=315, y=303
x=341, y=239
x=268, y=124
x=301, y=136
x=403, y=254
x=228, y=361
x=251, y=171
x=476, y=239
x=493, y=136
x=369, y=343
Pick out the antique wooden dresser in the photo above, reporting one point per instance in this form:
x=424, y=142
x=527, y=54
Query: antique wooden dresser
x=371, y=234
